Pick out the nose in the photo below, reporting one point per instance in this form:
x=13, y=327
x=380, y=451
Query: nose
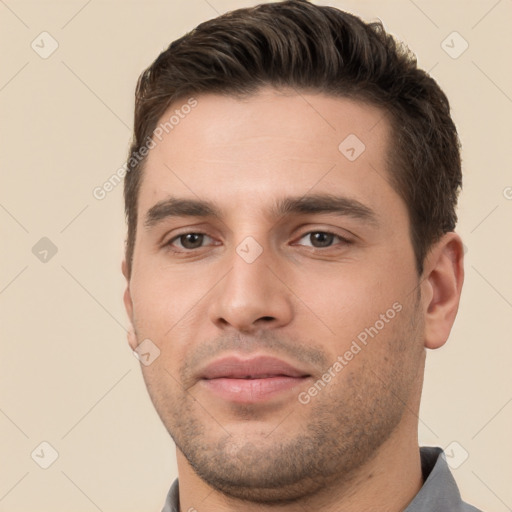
x=251, y=296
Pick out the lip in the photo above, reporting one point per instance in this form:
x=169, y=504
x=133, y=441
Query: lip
x=251, y=380
x=255, y=367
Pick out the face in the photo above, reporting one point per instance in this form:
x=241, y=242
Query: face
x=296, y=248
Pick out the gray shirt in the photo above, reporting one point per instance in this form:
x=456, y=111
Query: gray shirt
x=438, y=494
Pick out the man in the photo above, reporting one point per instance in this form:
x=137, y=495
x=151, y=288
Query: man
x=291, y=255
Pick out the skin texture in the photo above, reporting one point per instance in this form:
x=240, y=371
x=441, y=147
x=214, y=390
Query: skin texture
x=304, y=299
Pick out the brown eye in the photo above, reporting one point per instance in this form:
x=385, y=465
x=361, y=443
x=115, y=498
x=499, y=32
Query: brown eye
x=322, y=239
x=191, y=240
x=188, y=241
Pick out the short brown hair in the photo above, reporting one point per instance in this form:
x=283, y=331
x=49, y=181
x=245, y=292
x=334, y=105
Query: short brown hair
x=316, y=49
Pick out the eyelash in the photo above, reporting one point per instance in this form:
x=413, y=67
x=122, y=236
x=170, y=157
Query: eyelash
x=169, y=245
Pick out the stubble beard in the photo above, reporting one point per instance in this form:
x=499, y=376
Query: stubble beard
x=342, y=430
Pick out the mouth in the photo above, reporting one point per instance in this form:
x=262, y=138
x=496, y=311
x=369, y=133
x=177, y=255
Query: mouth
x=251, y=380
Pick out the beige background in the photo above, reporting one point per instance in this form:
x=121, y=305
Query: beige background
x=67, y=374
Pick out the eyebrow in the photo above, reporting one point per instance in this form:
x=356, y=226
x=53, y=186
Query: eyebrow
x=307, y=204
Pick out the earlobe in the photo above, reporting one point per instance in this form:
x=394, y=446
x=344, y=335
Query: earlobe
x=128, y=304
x=132, y=339
x=442, y=288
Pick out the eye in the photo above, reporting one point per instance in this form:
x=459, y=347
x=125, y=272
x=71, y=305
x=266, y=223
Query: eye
x=187, y=241
x=322, y=239
x=190, y=241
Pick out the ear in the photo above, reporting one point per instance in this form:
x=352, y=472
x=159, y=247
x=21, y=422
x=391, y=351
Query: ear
x=441, y=288
x=128, y=304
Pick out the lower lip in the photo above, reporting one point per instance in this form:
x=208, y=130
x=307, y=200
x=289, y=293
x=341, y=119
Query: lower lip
x=251, y=390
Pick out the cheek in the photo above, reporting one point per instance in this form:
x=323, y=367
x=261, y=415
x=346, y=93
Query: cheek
x=169, y=311
x=349, y=297
x=365, y=317
x=161, y=299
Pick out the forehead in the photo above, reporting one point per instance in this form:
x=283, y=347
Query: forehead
x=246, y=152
